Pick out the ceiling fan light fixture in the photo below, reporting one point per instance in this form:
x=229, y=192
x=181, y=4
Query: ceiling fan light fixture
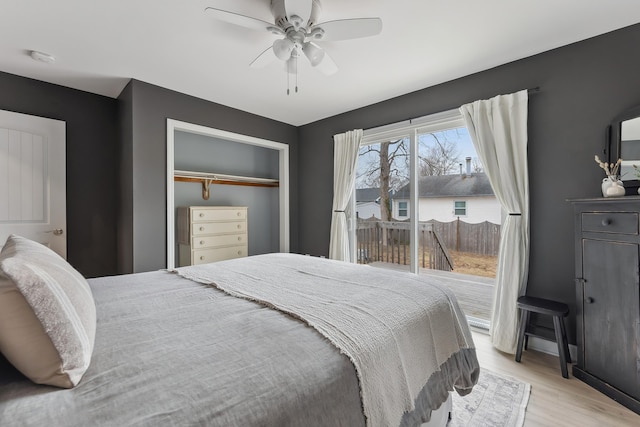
x=314, y=54
x=283, y=48
x=316, y=33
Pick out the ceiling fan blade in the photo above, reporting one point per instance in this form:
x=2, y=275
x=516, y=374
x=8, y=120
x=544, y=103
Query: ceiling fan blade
x=327, y=66
x=240, y=20
x=301, y=8
x=345, y=29
x=264, y=59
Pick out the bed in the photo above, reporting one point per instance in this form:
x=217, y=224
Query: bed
x=199, y=346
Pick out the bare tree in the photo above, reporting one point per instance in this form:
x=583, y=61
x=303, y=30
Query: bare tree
x=476, y=166
x=387, y=170
x=438, y=155
x=386, y=165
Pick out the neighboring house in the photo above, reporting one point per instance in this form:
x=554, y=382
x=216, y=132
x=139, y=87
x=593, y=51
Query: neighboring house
x=368, y=203
x=446, y=198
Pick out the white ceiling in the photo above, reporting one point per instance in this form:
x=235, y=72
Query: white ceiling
x=100, y=45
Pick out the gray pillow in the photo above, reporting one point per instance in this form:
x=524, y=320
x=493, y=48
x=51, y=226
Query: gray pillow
x=47, y=314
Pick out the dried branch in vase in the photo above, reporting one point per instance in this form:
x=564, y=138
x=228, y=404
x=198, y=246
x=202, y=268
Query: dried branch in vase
x=611, y=169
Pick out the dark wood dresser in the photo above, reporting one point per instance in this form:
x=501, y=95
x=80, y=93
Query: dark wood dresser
x=607, y=242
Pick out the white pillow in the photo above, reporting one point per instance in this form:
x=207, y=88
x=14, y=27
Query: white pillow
x=47, y=314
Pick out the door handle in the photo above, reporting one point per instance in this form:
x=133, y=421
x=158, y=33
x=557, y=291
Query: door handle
x=56, y=231
x=589, y=300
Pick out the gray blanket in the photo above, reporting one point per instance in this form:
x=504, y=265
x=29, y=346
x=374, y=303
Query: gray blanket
x=396, y=328
x=172, y=352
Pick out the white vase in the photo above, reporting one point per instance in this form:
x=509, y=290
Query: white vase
x=612, y=187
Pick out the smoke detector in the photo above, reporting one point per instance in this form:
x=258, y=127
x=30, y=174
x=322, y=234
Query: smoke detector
x=42, y=57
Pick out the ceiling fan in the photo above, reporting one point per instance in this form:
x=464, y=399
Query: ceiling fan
x=296, y=24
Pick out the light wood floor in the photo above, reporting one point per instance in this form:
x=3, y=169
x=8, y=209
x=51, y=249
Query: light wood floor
x=554, y=400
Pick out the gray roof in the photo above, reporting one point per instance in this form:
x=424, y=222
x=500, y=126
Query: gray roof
x=367, y=194
x=476, y=184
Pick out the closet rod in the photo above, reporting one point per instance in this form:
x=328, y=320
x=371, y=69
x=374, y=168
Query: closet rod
x=227, y=181
x=206, y=179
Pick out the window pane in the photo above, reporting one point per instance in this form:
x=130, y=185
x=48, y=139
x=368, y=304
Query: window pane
x=460, y=208
x=383, y=232
x=450, y=172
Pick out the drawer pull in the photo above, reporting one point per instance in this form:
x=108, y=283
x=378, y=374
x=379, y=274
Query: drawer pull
x=590, y=300
x=202, y=242
x=201, y=228
x=239, y=226
x=239, y=239
x=238, y=213
x=606, y=222
x=201, y=258
x=201, y=214
x=239, y=252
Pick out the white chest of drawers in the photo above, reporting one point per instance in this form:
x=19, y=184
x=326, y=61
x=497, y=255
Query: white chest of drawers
x=211, y=233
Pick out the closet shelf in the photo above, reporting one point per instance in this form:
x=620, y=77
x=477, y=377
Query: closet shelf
x=208, y=178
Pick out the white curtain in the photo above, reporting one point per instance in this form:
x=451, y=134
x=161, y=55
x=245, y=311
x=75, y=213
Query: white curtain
x=345, y=156
x=498, y=129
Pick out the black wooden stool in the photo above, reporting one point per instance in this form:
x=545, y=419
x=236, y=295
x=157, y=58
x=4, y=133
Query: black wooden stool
x=555, y=309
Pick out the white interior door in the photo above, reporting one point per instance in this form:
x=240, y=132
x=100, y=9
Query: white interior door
x=32, y=179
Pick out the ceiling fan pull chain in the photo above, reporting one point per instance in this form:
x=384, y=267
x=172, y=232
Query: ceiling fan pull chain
x=287, y=83
x=296, y=74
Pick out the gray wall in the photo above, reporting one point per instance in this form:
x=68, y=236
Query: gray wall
x=582, y=88
x=144, y=184
x=124, y=213
x=92, y=173
x=206, y=154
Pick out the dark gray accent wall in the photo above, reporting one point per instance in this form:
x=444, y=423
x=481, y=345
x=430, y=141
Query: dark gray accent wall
x=151, y=106
x=583, y=86
x=91, y=164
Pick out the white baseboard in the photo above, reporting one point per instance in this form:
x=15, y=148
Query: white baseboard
x=535, y=343
x=550, y=347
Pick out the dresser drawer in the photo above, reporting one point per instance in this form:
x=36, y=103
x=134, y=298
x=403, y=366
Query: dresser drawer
x=217, y=241
x=203, y=256
x=610, y=222
x=198, y=215
x=199, y=229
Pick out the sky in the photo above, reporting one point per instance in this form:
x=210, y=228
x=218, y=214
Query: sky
x=465, y=145
x=460, y=138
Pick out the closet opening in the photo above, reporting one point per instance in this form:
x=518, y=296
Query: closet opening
x=209, y=167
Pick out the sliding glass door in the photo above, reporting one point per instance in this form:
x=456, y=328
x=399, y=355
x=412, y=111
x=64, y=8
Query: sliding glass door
x=383, y=229
x=423, y=204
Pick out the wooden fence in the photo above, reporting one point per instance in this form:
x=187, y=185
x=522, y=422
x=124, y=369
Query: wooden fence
x=389, y=242
x=482, y=238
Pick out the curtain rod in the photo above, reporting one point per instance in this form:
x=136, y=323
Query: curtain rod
x=410, y=122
